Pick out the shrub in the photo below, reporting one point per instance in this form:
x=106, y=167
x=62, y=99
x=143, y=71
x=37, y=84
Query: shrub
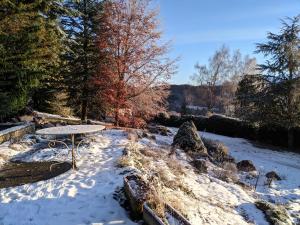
x=233, y=127
x=228, y=173
x=217, y=150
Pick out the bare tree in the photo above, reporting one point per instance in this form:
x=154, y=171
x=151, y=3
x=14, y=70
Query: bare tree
x=213, y=74
x=134, y=67
x=223, y=68
x=239, y=67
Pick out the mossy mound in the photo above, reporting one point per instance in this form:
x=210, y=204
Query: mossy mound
x=275, y=215
x=188, y=139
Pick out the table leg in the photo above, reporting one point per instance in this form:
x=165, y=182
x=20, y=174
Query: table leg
x=73, y=152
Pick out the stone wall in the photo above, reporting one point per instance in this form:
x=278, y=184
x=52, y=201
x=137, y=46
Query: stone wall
x=17, y=132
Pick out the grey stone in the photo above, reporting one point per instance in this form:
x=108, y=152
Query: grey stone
x=200, y=165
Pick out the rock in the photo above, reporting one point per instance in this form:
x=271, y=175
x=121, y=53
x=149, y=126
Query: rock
x=200, y=165
x=149, y=136
x=273, y=176
x=48, y=125
x=246, y=166
x=243, y=185
x=275, y=215
x=14, y=120
x=159, y=130
x=188, y=139
x=39, y=122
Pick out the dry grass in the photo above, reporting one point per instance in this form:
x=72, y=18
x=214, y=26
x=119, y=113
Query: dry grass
x=150, y=152
x=4, y=157
x=162, y=173
x=175, y=166
x=155, y=198
x=228, y=173
x=132, y=136
x=176, y=203
x=156, y=202
x=217, y=150
x=124, y=161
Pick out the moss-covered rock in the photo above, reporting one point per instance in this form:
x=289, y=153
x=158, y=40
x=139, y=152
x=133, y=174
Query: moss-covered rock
x=188, y=139
x=275, y=215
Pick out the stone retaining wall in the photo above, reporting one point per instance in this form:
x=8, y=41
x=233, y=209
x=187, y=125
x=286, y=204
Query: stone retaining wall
x=16, y=132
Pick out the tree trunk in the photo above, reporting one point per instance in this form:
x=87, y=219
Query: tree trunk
x=84, y=94
x=290, y=138
x=84, y=104
x=117, y=116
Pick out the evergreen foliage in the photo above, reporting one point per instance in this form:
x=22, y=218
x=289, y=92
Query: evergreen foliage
x=30, y=46
x=82, y=58
x=273, y=97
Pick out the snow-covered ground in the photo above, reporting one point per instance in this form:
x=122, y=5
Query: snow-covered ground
x=285, y=192
x=75, y=197
x=86, y=196
x=286, y=165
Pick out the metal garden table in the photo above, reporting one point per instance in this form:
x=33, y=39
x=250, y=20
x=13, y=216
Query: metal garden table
x=70, y=130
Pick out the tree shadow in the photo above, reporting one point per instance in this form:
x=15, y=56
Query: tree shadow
x=78, y=197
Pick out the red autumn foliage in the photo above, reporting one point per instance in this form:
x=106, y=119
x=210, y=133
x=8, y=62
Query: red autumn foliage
x=134, y=69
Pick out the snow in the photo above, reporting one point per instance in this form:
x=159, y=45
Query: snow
x=86, y=196
x=212, y=201
x=75, y=197
x=15, y=128
x=286, y=164
x=71, y=129
x=54, y=116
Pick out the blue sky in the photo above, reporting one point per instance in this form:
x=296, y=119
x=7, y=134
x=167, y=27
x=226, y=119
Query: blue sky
x=198, y=27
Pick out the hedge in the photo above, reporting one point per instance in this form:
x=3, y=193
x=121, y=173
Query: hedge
x=232, y=127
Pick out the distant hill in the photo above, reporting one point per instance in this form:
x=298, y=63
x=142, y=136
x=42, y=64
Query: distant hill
x=186, y=94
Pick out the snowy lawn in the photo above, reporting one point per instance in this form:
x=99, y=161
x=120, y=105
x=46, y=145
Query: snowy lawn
x=76, y=197
x=86, y=196
x=286, y=164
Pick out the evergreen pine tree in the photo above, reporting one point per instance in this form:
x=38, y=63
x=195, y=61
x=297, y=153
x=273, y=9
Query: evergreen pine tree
x=82, y=59
x=273, y=97
x=30, y=45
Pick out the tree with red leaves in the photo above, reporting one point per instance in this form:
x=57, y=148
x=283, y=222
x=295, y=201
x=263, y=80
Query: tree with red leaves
x=134, y=68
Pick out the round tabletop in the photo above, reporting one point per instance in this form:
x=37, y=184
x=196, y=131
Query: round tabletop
x=70, y=129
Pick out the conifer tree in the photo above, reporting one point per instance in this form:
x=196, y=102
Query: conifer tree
x=82, y=57
x=30, y=45
x=275, y=98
